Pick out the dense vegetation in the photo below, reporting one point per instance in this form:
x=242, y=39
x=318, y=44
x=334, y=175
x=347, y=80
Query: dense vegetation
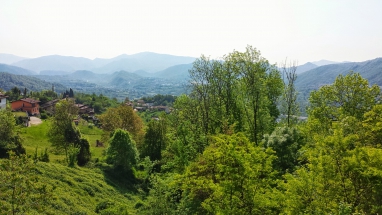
x=233, y=145
x=8, y=81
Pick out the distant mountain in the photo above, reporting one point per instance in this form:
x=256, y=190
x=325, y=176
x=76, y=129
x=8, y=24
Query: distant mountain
x=143, y=73
x=85, y=75
x=313, y=79
x=15, y=70
x=305, y=67
x=53, y=72
x=123, y=79
x=147, y=61
x=8, y=81
x=56, y=62
x=324, y=62
x=177, y=73
x=9, y=58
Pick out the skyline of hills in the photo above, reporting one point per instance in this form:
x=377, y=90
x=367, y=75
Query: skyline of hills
x=147, y=61
x=134, y=73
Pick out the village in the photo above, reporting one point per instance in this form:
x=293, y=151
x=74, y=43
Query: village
x=31, y=111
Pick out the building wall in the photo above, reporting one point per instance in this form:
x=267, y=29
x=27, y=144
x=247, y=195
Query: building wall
x=3, y=103
x=25, y=106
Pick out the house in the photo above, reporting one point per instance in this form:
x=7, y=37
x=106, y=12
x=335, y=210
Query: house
x=3, y=101
x=50, y=106
x=84, y=109
x=27, y=104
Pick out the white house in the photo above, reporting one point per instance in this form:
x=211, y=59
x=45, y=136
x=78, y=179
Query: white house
x=3, y=101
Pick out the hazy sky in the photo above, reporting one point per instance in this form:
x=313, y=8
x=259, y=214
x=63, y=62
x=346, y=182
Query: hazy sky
x=303, y=30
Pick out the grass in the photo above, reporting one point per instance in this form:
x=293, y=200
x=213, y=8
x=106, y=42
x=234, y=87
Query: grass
x=76, y=191
x=36, y=136
x=92, y=134
x=20, y=113
x=96, y=188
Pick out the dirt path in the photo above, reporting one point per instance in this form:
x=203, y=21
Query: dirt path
x=34, y=121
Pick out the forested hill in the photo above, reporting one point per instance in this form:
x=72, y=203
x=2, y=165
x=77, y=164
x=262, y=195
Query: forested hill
x=8, y=81
x=15, y=70
x=323, y=75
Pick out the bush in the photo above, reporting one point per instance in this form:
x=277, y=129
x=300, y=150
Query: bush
x=84, y=154
x=44, y=116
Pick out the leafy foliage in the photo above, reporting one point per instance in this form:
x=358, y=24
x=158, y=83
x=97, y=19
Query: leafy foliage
x=122, y=152
x=20, y=187
x=122, y=117
x=8, y=81
x=10, y=140
x=155, y=139
x=231, y=177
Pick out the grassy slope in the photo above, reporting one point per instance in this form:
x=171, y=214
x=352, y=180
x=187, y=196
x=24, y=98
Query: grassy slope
x=36, y=136
x=78, y=191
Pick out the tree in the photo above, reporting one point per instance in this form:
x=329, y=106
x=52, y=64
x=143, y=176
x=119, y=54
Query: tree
x=122, y=152
x=254, y=96
x=286, y=142
x=25, y=92
x=348, y=96
x=339, y=173
x=343, y=160
x=20, y=186
x=122, y=117
x=243, y=86
x=71, y=94
x=289, y=104
x=231, y=177
x=84, y=154
x=155, y=139
x=63, y=133
x=10, y=140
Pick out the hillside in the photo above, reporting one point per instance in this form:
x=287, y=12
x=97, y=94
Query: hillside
x=323, y=75
x=8, y=81
x=10, y=58
x=53, y=72
x=15, y=70
x=74, y=191
x=176, y=73
x=147, y=61
x=56, y=62
x=305, y=67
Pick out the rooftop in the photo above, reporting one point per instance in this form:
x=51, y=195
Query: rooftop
x=29, y=100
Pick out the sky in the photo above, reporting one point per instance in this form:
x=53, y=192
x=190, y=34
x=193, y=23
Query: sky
x=297, y=30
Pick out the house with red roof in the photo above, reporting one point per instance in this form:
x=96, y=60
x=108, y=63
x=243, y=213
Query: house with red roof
x=27, y=104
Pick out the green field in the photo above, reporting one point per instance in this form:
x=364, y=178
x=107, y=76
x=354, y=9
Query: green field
x=36, y=136
x=71, y=191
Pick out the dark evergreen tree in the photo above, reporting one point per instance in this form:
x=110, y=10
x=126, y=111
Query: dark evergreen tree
x=71, y=94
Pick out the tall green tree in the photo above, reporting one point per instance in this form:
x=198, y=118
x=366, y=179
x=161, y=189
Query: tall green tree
x=122, y=152
x=62, y=132
x=155, y=139
x=289, y=103
x=256, y=97
x=231, y=177
x=349, y=96
x=10, y=140
x=122, y=117
x=339, y=173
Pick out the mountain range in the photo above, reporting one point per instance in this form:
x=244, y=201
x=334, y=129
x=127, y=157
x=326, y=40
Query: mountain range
x=322, y=75
x=149, y=73
x=145, y=61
